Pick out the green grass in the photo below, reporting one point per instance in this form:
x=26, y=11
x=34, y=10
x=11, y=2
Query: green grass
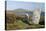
x=20, y=25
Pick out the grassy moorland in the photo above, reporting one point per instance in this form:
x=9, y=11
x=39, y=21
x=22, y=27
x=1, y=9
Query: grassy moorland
x=14, y=22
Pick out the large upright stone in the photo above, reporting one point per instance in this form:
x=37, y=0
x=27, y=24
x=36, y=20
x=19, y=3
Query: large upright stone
x=36, y=16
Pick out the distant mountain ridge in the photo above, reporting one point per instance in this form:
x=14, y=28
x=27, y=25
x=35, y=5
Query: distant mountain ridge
x=23, y=11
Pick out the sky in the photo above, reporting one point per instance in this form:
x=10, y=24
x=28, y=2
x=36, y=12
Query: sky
x=11, y=5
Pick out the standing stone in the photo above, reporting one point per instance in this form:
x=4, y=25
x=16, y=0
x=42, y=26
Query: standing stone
x=36, y=16
x=26, y=17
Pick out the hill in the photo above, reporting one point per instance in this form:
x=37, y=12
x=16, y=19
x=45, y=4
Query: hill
x=23, y=12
